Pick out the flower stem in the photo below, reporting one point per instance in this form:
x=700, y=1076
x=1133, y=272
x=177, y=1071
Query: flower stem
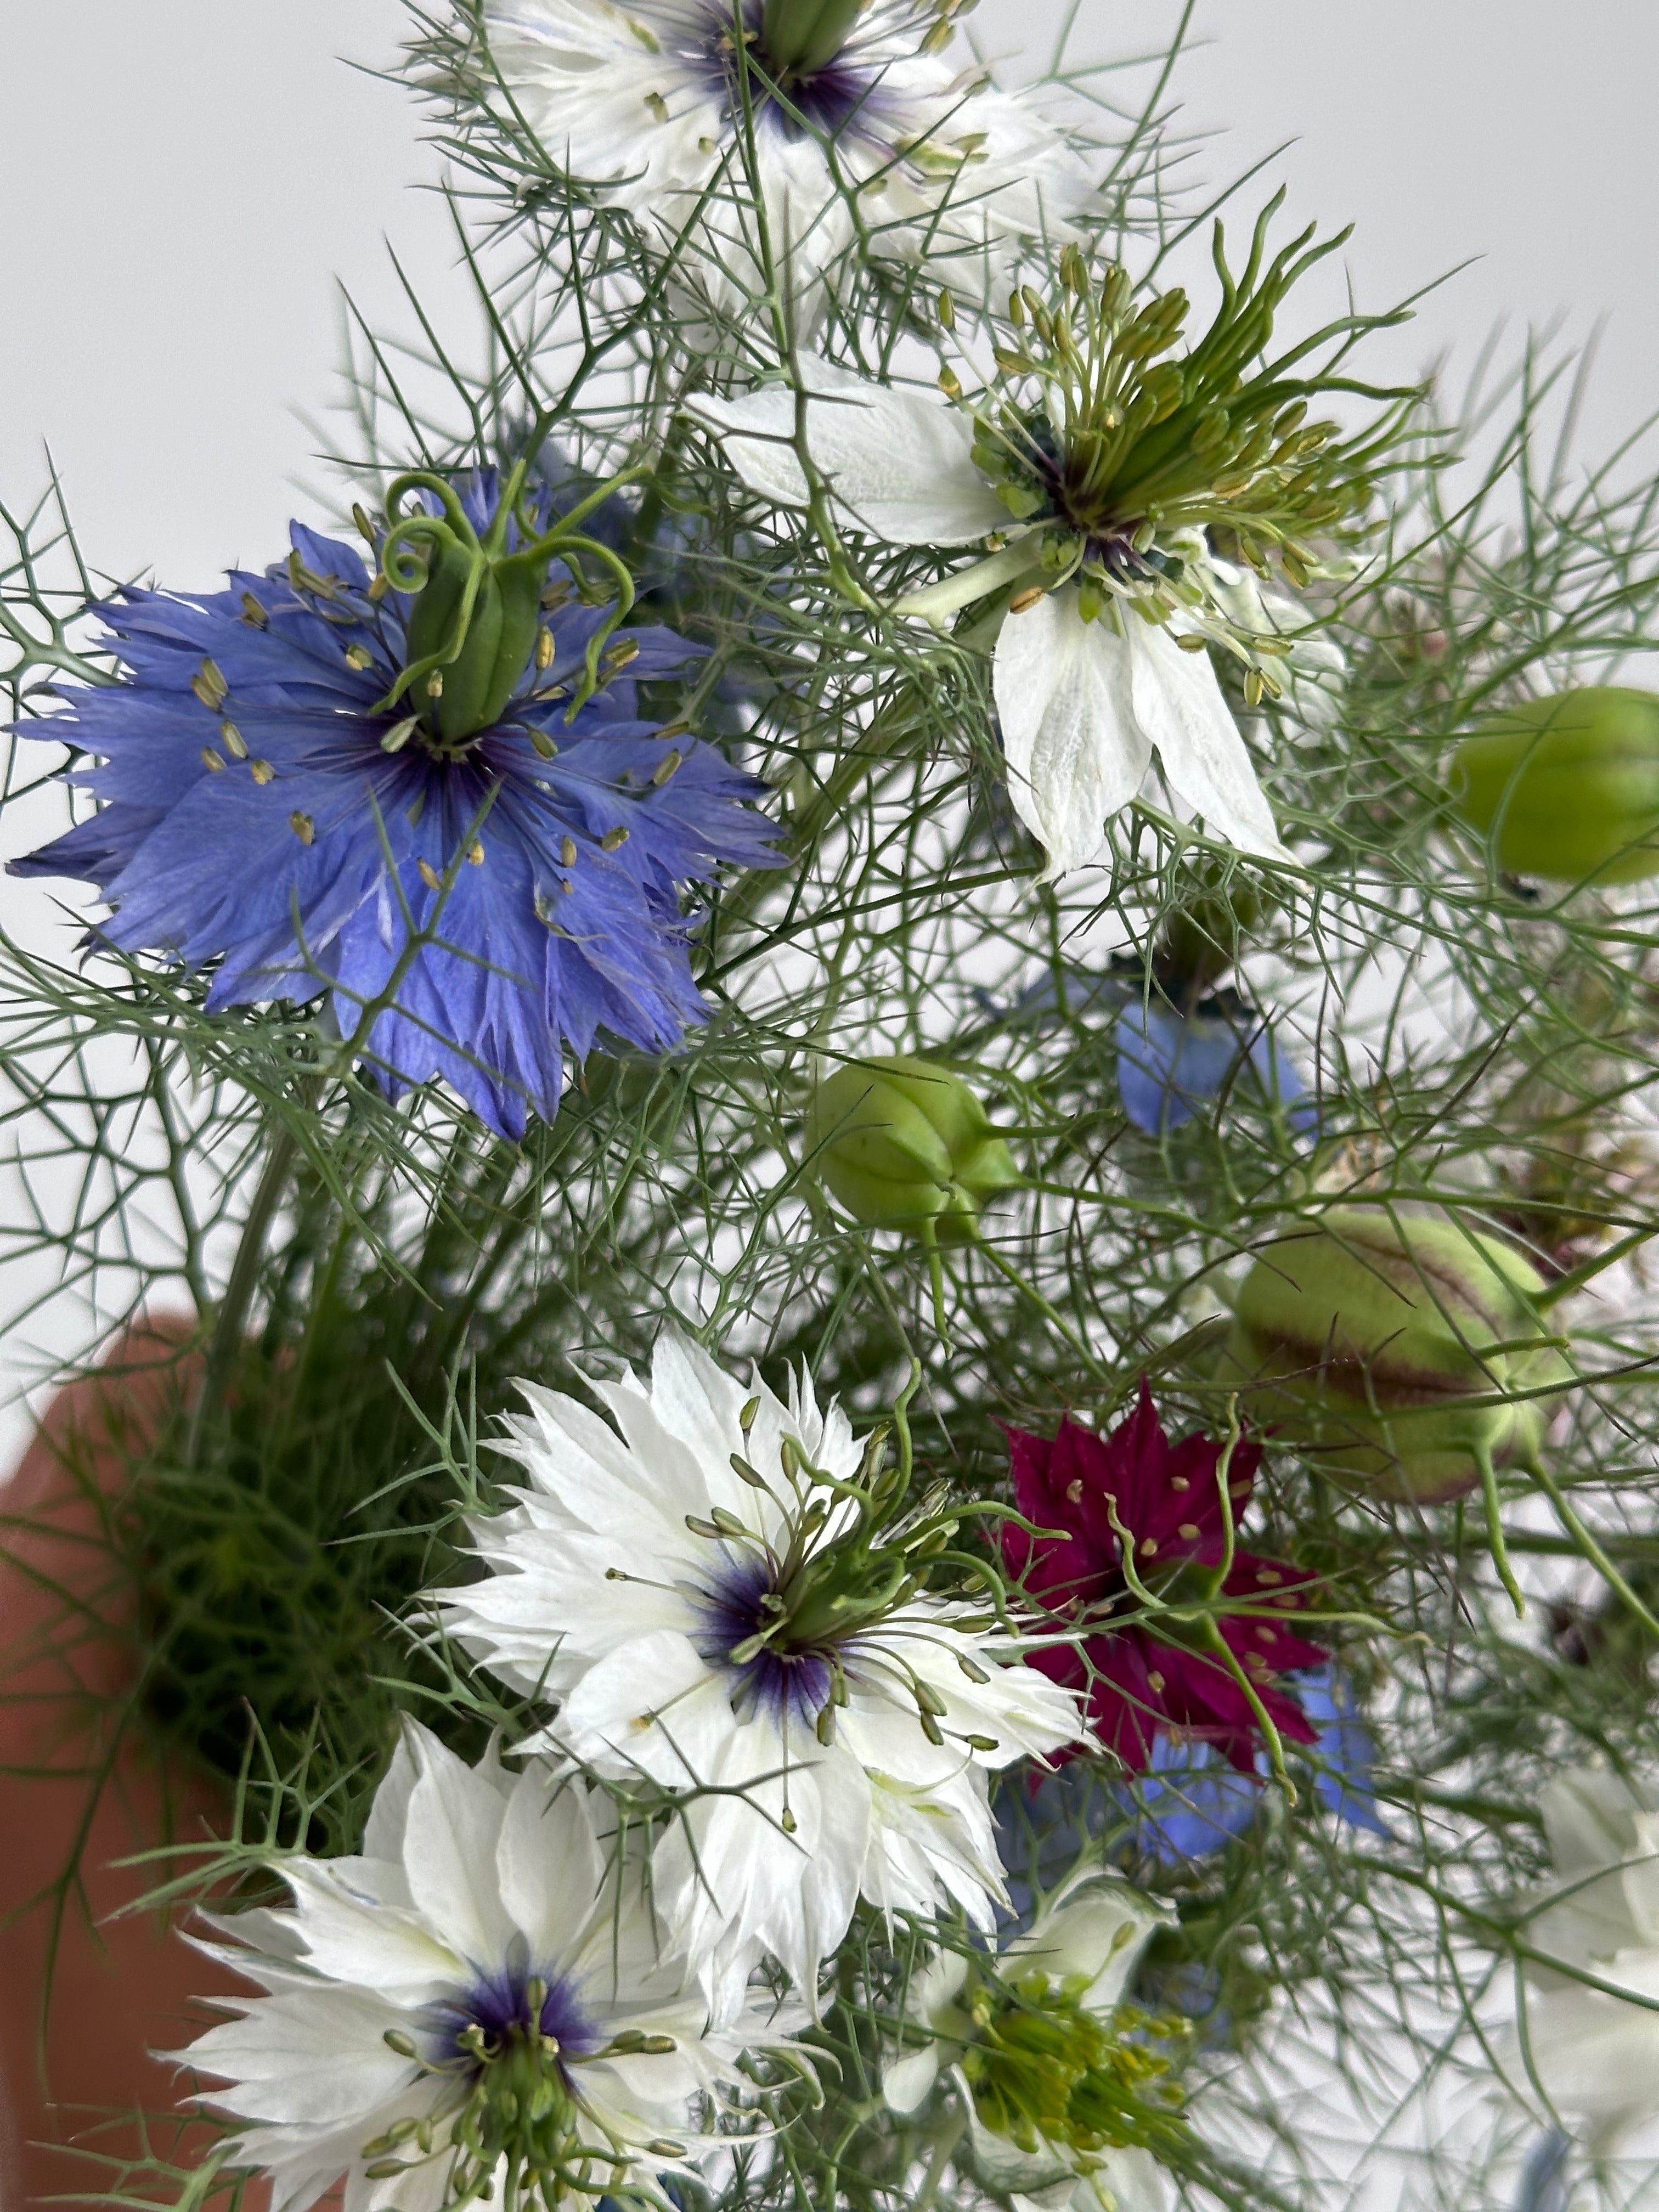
x=239, y=1291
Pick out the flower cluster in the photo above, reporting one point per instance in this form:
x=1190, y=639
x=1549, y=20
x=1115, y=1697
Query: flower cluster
x=758, y=1769
x=785, y=135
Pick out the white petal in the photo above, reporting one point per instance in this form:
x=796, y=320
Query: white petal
x=900, y=460
x=383, y=1836
x=654, y=1706
x=1076, y=753
x=313, y=2056
x=907, y=2081
x=449, y=1853
x=1596, y=2057
x=1178, y=704
x=549, y=1865
x=1097, y=1926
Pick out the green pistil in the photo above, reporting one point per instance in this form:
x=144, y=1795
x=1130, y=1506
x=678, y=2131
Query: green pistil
x=518, y=2110
x=1131, y=447
x=1045, y=2070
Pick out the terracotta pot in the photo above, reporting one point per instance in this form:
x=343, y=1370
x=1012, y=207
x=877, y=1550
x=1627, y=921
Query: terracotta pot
x=121, y=1989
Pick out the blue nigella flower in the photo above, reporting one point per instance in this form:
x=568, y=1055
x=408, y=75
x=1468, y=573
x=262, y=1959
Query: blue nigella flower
x=316, y=781
x=1169, y=1063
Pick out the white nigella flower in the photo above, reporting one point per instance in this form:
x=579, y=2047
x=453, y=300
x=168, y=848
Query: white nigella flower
x=854, y=105
x=1594, y=2052
x=1125, y=506
x=478, y=2004
x=726, y=1598
x=1065, y=2093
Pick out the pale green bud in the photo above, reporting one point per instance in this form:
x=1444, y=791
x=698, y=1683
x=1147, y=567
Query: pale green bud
x=1567, y=788
x=1386, y=1343
x=903, y=1143
x=799, y=36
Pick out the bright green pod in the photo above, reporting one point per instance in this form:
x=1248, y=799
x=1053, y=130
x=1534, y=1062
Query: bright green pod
x=799, y=36
x=1397, y=1347
x=904, y=1144
x=1567, y=788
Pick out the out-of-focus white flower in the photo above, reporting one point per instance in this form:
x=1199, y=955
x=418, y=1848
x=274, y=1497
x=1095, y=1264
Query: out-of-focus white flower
x=1594, y=2050
x=1059, y=2102
x=1087, y=690
x=719, y=1602
x=481, y=1998
x=864, y=123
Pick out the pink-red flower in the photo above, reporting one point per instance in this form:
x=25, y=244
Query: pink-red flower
x=1157, y=1673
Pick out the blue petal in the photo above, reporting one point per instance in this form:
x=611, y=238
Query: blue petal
x=1169, y=1064
x=1345, y=1752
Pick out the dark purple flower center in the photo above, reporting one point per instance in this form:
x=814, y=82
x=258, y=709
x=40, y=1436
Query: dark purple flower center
x=499, y=2007
x=823, y=100
x=775, y=1679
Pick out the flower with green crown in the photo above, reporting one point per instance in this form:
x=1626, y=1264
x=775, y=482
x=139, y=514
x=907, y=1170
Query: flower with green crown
x=739, y=1604
x=1061, y=2076
x=1136, y=505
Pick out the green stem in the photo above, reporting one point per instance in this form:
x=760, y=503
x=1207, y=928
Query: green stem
x=239, y=1291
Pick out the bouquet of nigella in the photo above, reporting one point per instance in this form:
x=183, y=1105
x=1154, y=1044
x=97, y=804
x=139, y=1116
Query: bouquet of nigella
x=846, y=1162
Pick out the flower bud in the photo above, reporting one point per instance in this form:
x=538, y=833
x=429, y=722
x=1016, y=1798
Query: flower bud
x=904, y=1143
x=1387, y=1344
x=1567, y=788
x=799, y=36
x=499, y=640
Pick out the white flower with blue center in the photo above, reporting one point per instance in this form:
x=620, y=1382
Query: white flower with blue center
x=479, y=2004
x=860, y=124
x=729, y=1598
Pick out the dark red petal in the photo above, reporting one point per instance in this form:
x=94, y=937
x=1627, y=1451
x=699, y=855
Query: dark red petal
x=1127, y=1711
x=1029, y=1457
x=1252, y=1576
x=1283, y=1652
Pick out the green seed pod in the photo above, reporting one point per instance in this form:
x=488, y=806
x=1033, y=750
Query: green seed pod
x=904, y=1144
x=799, y=36
x=500, y=637
x=1568, y=787
x=1385, y=1344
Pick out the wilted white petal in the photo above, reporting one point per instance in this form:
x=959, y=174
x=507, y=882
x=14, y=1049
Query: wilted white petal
x=1178, y=704
x=899, y=461
x=1076, y=753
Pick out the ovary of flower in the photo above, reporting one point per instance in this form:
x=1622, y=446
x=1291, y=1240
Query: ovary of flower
x=694, y=1596
x=1594, y=2052
x=1083, y=705
x=647, y=102
x=480, y=1999
x=1087, y=1940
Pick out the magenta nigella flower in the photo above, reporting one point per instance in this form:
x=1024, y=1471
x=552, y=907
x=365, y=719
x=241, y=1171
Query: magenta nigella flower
x=1148, y=1678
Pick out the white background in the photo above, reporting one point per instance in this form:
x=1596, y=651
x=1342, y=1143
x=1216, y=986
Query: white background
x=182, y=181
